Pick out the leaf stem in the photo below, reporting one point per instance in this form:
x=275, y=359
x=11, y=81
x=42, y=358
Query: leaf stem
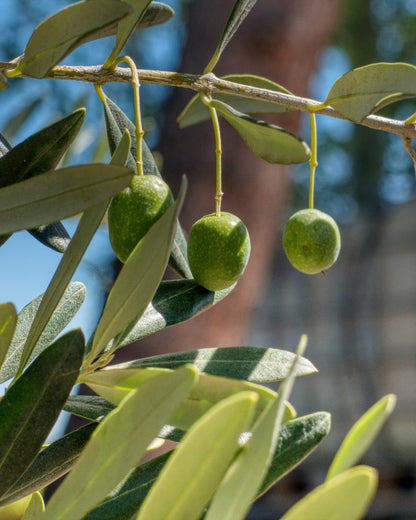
x=137, y=113
x=218, y=151
x=313, y=161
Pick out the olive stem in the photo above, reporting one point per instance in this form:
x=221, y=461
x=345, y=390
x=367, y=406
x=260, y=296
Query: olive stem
x=408, y=145
x=313, y=161
x=137, y=113
x=218, y=151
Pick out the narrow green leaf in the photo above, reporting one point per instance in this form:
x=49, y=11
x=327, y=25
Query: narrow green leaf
x=59, y=194
x=270, y=142
x=91, y=407
x=255, y=364
x=345, y=497
x=8, y=320
x=365, y=90
x=52, y=235
x=32, y=404
x=41, y=151
x=124, y=501
x=116, y=123
x=297, y=439
x=118, y=444
x=126, y=28
x=59, y=35
x=115, y=383
x=203, y=457
x=196, y=112
x=239, y=11
x=246, y=474
x=139, y=278
x=68, y=306
x=35, y=508
x=156, y=13
x=52, y=462
x=361, y=435
x=87, y=226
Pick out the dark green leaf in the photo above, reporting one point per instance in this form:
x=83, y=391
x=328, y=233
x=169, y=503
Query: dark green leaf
x=32, y=404
x=297, y=439
x=365, y=90
x=63, y=32
x=65, y=311
x=41, y=151
x=139, y=278
x=157, y=13
x=87, y=226
x=55, y=195
x=118, y=444
x=8, y=319
x=255, y=364
x=51, y=463
x=126, y=28
x=240, y=10
x=53, y=235
x=270, y=142
x=5, y=147
x=91, y=407
x=196, y=112
x=175, y=301
x=117, y=122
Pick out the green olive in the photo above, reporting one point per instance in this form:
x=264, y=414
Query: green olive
x=218, y=250
x=133, y=211
x=311, y=241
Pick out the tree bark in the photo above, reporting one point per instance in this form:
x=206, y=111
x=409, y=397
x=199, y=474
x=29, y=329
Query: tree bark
x=281, y=41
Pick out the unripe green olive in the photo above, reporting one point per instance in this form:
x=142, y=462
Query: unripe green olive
x=311, y=241
x=133, y=211
x=218, y=250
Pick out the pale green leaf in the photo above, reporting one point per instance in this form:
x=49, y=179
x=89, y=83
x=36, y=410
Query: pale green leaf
x=66, y=309
x=59, y=194
x=139, y=279
x=118, y=444
x=345, y=497
x=203, y=457
x=239, y=12
x=8, y=320
x=196, y=111
x=255, y=364
x=365, y=90
x=60, y=34
x=35, y=508
x=270, y=142
x=361, y=435
x=126, y=27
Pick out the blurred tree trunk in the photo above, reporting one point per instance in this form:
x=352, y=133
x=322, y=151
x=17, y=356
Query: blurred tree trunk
x=279, y=40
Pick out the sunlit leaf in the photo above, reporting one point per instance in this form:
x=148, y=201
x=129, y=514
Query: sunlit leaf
x=32, y=404
x=239, y=12
x=203, y=457
x=118, y=444
x=59, y=35
x=361, y=435
x=365, y=90
x=345, y=497
x=139, y=278
x=196, y=112
x=68, y=306
x=59, y=194
x=255, y=364
x=35, y=508
x=270, y=142
x=52, y=235
x=8, y=320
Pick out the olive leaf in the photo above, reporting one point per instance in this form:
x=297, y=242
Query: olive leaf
x=367, y=89
x=126, y=27
x=196, y=111
x=32, y=404
x=361, y=435
x=240, y=10
x=8, y=320
x=116, y=123
x=270, y=142
x=60, y=34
